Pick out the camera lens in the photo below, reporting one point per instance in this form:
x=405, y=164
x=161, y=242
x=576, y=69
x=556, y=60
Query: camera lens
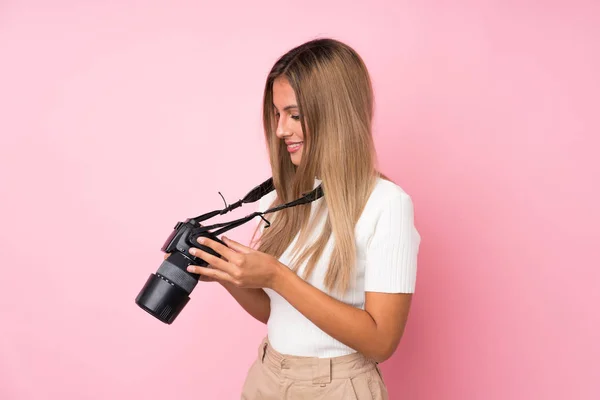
x=166, y=293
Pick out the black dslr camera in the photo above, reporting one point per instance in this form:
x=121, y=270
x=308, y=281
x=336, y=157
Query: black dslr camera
x=167, y=291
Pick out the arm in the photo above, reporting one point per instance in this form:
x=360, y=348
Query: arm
x=390, y=276
x=254, y=301
x=374, y=332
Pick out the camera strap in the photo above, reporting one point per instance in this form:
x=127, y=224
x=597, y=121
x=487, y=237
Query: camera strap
x=254, y=195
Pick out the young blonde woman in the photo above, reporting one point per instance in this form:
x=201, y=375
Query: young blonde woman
x=332, y=279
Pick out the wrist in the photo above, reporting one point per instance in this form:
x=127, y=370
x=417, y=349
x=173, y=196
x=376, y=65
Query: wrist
x=227, y=285
x=280, y=274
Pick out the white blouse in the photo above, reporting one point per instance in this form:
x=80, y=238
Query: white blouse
x=387, y=244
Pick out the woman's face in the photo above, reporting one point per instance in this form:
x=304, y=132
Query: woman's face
x=289, y=128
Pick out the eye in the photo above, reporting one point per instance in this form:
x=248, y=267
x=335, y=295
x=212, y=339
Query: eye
x=296, y=117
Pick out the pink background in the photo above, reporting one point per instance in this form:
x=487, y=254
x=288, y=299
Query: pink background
x=118, y=119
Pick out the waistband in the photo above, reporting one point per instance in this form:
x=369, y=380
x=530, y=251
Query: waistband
x=317, y=370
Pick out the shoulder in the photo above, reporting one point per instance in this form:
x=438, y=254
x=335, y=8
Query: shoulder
x=387, y=189
x=387, y=195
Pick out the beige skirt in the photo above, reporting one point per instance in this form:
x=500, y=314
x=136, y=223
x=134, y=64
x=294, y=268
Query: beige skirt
x=279, y=376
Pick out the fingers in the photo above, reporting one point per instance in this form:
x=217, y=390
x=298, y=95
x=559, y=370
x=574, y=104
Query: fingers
x=210, y=273
x=215, y=262
x=218, y=247
x=232, y=244
x=202, y=278
x=205, y=278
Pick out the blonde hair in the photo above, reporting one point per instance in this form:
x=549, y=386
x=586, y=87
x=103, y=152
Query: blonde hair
x=335, y=100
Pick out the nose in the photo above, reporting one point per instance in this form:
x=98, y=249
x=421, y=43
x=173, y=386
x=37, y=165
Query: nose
x=283, y=130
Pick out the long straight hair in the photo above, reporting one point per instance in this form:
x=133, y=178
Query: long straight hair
x=335, y=101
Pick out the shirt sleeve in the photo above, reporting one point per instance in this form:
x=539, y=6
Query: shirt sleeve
x=391, y=255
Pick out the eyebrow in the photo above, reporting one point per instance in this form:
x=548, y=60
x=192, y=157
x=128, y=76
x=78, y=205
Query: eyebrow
x=291, y=106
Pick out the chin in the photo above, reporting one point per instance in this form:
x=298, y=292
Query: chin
x=296, y=161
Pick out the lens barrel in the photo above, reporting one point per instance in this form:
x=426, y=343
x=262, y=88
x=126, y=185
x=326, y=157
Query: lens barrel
x=166, y=293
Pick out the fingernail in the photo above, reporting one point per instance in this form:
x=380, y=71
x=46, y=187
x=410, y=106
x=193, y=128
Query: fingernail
x=190, y=268
x=200, y=240
x=193, y=251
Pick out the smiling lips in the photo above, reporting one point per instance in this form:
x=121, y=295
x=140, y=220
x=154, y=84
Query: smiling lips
x=293, y=147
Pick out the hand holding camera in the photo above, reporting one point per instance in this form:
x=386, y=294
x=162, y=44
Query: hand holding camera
x=239, y=265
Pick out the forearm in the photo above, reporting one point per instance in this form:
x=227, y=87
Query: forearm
x=352, y=326
x=254, y=301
